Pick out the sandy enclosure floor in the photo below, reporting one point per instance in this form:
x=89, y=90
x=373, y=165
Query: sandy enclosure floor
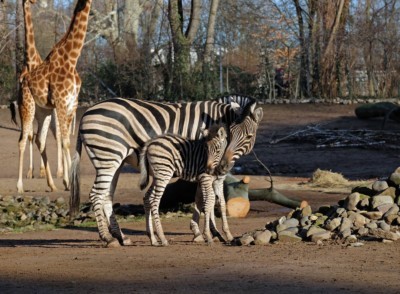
x=73, y=261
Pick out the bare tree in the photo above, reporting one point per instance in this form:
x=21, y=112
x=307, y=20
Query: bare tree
x=182, y=39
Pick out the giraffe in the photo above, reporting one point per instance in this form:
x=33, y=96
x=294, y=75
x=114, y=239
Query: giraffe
x=32, y=61
x=54, y=84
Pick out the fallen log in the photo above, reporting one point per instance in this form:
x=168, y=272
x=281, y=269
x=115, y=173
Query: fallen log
x=237, y=195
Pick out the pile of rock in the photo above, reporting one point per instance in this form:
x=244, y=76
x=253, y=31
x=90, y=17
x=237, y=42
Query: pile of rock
x=35, y=212
x=366, y=214
x=22, y=211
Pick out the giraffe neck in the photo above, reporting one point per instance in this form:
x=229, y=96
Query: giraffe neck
x=74, y=38
x=32, y=56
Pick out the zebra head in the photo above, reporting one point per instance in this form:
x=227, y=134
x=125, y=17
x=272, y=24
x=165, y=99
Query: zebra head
x=216, y=141
x=242, y=135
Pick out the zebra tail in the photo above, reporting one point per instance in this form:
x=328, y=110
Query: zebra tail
x=144, y=169
x=13, y=110
x=74, y=200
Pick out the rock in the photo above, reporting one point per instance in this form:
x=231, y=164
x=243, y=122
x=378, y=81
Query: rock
x=390, y=219
x=372, y=225
x=321, y=236
x=350, y=203
x=341, y=212
x=289, y=223
x=288, y=236
x=395, y=178
x=383, y=225
x=321, y=220
x=380, y=200
x=8, y=199
x=351, y=239
x=363, y=231
x=60, y=201
x=345, y=233
x=246, y=240
x=359, y=221
x=306, y=211
x=375, y=215
x=315, y=230
x=357, y=244
x=381, y=234
x=305, y=221
x=262, y=237
x=333, y=224
x=393, y=210
x=391, y=191
x=45, y=200
x=380, y=185
x=384, y=207
x=346, y=225
x=313, y=217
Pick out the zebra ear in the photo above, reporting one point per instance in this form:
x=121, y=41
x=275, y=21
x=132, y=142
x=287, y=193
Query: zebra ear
x=257, y=114
x=236, y=107
x=205, y=132
x=222, y=133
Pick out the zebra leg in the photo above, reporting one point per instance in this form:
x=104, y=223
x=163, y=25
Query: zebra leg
x=154, y=199
x=194, y=222
x=218, y=187
x=149, y=221
x=102, y=224
x=114, y=227
x=209, y=202
x=102, y=206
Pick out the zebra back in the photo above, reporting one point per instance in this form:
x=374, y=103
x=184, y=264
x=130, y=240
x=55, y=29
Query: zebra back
x=187, y=159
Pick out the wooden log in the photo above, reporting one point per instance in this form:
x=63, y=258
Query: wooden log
x=272, y=195
x=237, y=196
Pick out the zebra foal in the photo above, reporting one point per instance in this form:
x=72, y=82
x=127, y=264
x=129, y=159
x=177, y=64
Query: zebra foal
x=170, y=155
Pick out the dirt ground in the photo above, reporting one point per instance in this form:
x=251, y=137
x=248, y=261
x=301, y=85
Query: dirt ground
x=73, y=260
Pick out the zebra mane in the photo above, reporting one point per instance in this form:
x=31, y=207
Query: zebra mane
x=247, y=104
x=243, y=101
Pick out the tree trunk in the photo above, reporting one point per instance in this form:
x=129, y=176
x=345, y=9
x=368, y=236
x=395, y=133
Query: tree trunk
x=181, y=85
x=208, y=48
x=304, y=66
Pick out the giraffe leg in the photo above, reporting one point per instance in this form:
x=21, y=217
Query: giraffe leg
x=29, y=174
x=65, y=142
x=26, y=112
x=44, y=118
x=55, y=128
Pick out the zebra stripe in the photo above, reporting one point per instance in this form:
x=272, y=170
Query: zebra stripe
x=115, y=130
x=192, y=160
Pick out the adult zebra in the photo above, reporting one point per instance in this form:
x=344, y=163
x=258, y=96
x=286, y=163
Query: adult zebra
x=114, y=131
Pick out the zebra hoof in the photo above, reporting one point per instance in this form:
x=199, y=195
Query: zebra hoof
x=113, y=244
x=198, y=239
x=127, y=242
